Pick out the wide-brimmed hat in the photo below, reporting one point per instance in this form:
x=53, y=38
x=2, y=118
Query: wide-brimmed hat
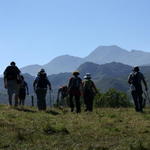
x=76, y=73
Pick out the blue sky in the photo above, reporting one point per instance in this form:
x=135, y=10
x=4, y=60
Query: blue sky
x=35, y=31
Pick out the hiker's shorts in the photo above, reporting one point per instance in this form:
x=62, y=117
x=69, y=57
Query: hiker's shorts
x=12, y=87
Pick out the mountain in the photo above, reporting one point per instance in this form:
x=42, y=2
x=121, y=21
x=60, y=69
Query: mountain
x=101, y=55
x=61, y=64
x=105, y=70
x=31, y=69
x=106, y=54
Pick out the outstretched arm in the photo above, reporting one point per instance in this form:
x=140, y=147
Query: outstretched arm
x=129, y=79
x=94, y=87
x=5, y=80
x=26, y=85
x=34, y=84
x=58, y=95
x=145, y=84
x=49, y=85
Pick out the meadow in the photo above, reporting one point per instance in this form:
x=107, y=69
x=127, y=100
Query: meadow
x=58, y=129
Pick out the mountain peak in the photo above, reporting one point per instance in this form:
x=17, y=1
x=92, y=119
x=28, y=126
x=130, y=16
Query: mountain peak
x=109, y=46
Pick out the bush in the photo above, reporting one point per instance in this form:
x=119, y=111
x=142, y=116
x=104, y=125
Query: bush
x=112, y=98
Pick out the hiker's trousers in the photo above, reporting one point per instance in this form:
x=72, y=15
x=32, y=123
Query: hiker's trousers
x=138, y=100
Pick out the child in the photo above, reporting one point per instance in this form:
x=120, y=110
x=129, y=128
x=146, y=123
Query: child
x=22, y=91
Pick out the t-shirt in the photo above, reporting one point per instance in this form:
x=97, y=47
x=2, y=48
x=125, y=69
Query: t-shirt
x=11, y=73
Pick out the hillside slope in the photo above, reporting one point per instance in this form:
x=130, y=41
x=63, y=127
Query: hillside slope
x=104, y=129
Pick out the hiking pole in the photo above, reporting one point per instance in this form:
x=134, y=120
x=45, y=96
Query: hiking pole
x=32, y=100
x=50, y=98
x=148, y=96
x=144, y=99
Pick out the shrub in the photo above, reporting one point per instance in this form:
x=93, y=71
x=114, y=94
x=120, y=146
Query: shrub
x=112, y=98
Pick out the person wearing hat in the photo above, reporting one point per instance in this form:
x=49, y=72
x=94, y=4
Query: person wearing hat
x=89, y=91
x=40, y=85
x=74, y=90
x=135, y=80
x=11, y=82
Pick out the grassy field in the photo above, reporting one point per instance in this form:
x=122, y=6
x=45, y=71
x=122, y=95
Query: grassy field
x=104, y=129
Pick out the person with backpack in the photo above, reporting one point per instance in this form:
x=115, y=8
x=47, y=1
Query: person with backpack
x=89, y=91
x=40, y=85
x=61, y=95
x=135, y=80
x=74, y=89
x=12, y=82
x=23, y=90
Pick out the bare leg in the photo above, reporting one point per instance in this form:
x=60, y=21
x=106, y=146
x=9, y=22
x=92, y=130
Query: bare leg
x=10, y=99
x=16, y=100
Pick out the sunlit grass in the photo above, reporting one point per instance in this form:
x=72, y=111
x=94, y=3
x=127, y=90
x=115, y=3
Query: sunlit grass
x=104, y=129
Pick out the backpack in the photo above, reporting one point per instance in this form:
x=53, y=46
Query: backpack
x=87, y=86
x=42, y=81
x=75, y=83
x=136, y=81
x=12, y=73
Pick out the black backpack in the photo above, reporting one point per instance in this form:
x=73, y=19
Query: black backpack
x=75, y=83
x=12, y=73
x=42, y=81
x=135, y=79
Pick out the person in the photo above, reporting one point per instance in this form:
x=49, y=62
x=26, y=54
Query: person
x=74, y=89
x=40, y=85
x=89, y=91
x=11, y=82
x=62, y=94
x=135, y=80
x=23, y=90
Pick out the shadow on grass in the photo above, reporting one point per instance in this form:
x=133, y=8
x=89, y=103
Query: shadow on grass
x=51, y=130
x=26, y=110
x=5, y=147
x=52, y=112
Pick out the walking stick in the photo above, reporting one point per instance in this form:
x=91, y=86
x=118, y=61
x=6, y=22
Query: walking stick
x=148, y=96
x=32, y=100
x=50, y=98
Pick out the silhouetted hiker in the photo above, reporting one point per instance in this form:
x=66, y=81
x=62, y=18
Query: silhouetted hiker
x=74, y=89
x=62, y=94
x=89, y=91
x=135, y=80
x=12, y=81
x=23, y=90
x=40, y=85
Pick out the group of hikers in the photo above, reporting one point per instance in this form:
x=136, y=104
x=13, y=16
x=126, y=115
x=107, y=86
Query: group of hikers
x=15, y=84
